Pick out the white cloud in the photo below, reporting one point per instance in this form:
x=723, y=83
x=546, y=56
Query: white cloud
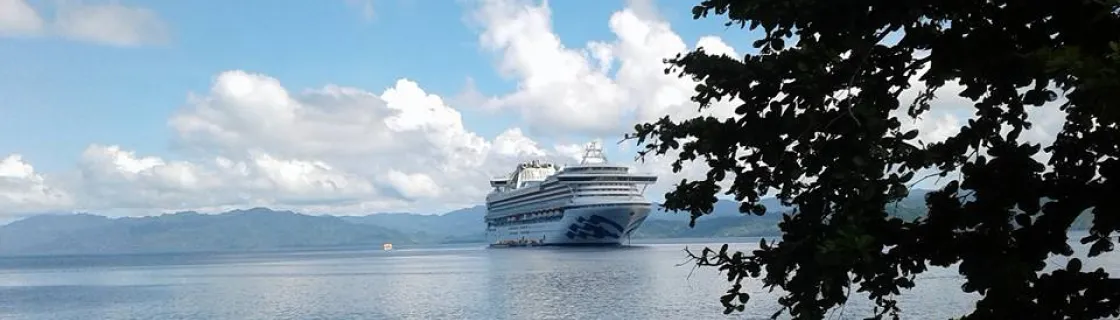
x=17, y=18
x=108, y=23
x=949, y=112
x=599, y=90
x=250, y=141
x=570, y=152
x=22, y=190
x=470, y=97
x=365, y=7
x=513, y=142
x=414, y=186
x=114, y=178
x=559, y=89
x=111, y=24
x=568, y=89
x=643, y=42
x=629, y=69
x=715, y=45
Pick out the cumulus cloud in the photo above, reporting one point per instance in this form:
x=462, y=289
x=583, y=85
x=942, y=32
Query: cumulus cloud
x=514, y=143
x=571, y=151
x=559, y=89
x=601, y=89
x=403, y=142
x=414, y=186
x=115, y=178
x=250, y=141
x=17, y=18
x=632, y=87
x=949, y=112
x=470, y=97
x=107, y=23
x=22, y=190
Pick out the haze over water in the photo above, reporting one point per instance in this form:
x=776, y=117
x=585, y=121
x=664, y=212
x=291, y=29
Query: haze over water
x=643, y=281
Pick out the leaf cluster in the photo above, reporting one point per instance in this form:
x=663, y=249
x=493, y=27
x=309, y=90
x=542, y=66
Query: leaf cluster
x=819, y=125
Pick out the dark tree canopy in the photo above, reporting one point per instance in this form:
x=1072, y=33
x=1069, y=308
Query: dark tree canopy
x=839, y=155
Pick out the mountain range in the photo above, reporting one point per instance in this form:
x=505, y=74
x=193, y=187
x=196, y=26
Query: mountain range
x=262, y=229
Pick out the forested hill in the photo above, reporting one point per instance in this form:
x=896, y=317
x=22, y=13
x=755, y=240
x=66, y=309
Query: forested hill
x=265, y=229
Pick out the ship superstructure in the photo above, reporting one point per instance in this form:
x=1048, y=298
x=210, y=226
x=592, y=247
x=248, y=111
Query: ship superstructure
x=590, y=203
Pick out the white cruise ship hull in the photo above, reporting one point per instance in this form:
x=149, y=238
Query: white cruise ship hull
x=578, y=224
x=592, y=203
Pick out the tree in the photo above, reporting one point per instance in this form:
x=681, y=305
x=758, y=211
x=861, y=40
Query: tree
x=820, y=124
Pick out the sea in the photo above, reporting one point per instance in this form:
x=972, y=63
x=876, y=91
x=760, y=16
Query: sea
x=643, y=280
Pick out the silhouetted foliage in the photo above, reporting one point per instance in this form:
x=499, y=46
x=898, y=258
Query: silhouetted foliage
x=816, y=125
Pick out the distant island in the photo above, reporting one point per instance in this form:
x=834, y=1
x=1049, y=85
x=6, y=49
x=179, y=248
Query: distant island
x=262, y=229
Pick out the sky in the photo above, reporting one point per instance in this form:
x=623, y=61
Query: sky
x=129, y=108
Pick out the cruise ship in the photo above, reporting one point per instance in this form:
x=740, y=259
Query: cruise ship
x=590, y=203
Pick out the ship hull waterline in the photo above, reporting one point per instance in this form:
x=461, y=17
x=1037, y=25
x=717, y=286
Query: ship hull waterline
x=606, y=224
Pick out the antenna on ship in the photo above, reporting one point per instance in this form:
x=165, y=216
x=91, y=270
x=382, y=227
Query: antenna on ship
x=593, y=151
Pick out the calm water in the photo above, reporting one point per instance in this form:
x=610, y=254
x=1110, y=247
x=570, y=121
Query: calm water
x=643, y=281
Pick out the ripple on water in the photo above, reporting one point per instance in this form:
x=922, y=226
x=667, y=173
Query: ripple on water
x=640, y=282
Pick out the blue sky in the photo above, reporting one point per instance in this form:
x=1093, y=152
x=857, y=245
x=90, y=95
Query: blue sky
x=125, y=107
x=347, y=106
x=62, y=95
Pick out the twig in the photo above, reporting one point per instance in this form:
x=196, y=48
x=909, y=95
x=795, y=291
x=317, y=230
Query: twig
x=859, y=68
x=843, y=306
x=911, y=186
x=944, y=171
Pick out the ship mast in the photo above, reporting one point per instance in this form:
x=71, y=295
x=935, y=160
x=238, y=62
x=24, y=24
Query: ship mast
x=593, y=151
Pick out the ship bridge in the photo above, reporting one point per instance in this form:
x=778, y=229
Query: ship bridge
x=594, y=168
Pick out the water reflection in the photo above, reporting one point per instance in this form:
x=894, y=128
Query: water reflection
x=639, y=282
x=567, y=283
